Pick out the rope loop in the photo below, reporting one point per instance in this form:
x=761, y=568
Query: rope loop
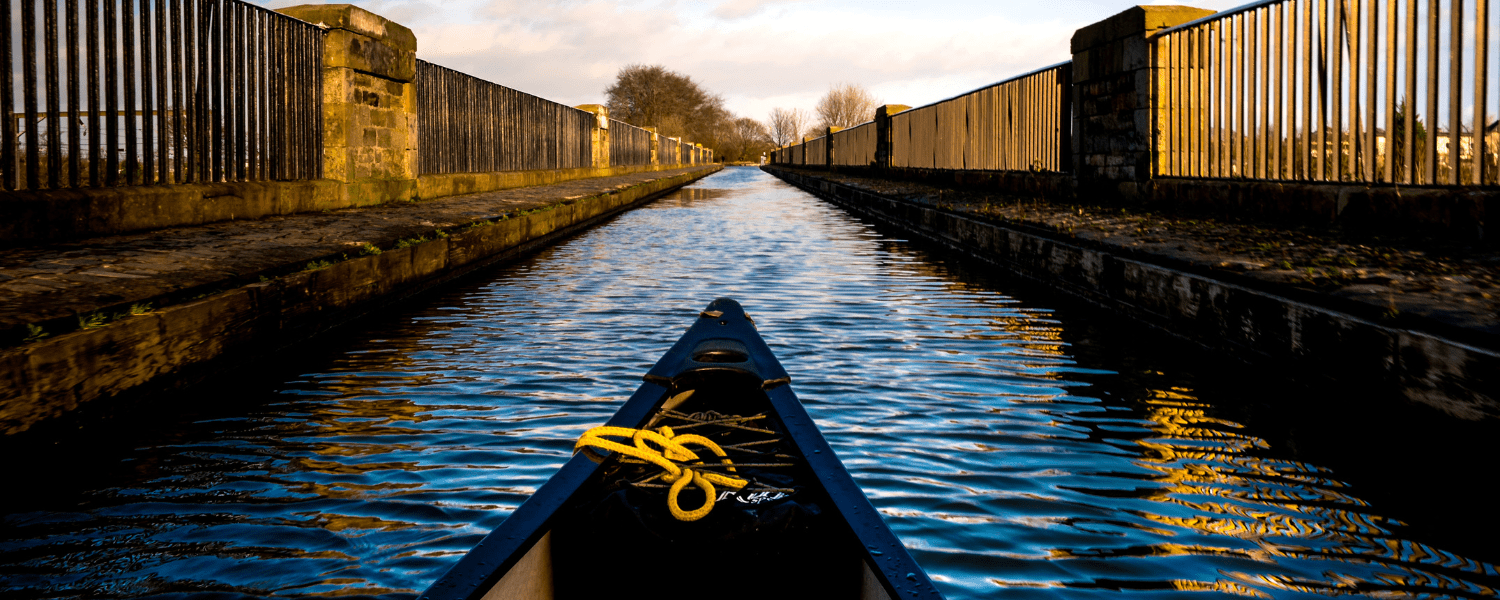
x=669, y=450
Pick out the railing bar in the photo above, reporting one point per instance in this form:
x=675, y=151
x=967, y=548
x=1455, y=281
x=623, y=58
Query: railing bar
x=54, y=104
x=299, y=83
x=1324, y=93
x=163, y=145
x=1372, y=92
x=317, y=66
x=311, y=95
x=91, y=52
x=253, y=68
x=1350, y=38
x=192, y=90
x=75, y=109
x=207, y=110
x=293, y=117
x=1429, y=159
x=1202, y=112
x=111, y=94
x=1337, y=29
x=1238, y=154
x=1481, y=66
x=148, y=137
x=1408, y=135
x=1286, y=89
x=1455, y=92
x=219, y=95
x=8, y=166
x=175, y=78
x=280, y=121
x=1305, y=150
x=1222, y=76
x=1065, y=126
x=1263, y=109
x=1392, y=68
x=236, y=109
x=1272, y=90
x=128, y=79
x=268, y=105
x=1250, y=160
x=29, y=94
x=1178, y=122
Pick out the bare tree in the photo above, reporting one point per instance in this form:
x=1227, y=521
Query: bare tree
x=787, y=125
x=652, y=96
x=745, y=140
x=846, y=105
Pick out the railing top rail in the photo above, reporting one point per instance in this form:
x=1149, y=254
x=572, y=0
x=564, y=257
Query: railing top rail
x=990, y=85
x=613, y=120
x=455, y=71
x=268, y=11
x=1224, y=14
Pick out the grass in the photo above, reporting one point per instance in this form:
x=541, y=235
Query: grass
x=408, y=242
x=317, y=265
x=368, y=249
x=92, y=321
x=34, y=332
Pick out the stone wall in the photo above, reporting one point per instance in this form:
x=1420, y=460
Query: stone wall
x=1114, y=104
x=1449, y=376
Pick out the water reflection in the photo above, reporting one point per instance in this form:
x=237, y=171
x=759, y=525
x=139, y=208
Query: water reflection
x=1007, y=463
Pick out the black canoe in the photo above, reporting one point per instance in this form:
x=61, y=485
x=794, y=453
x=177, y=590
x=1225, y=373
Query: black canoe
x=801, y=529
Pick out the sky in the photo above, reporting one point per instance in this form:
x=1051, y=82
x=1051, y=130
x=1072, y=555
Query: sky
x=758, y=54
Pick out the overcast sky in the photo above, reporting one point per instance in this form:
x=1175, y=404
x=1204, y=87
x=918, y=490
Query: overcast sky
x=758, y=54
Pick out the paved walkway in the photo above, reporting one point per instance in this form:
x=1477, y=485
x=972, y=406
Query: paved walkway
x=52, y=286
x=1449, y=288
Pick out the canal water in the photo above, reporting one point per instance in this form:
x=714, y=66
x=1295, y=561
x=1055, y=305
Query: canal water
x=1018, y=449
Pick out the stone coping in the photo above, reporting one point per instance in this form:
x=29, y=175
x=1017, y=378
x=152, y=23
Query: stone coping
x=1427, y=282
x=1208, y=303
x=305, y=275
x=52, y=286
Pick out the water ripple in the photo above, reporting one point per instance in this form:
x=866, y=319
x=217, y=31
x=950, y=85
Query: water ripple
x=1004, y=462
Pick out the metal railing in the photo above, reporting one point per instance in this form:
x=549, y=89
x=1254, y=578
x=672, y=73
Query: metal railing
x=170, y=91
x=469, y=125
x=628, y=145
x=1022, y=123
x=1330, y=90
x=817, y=150
x=855, y=146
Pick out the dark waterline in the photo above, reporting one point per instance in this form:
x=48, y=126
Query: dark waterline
x=1017, y=449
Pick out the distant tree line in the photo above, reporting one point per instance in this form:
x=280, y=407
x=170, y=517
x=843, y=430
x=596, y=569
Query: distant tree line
x=652, y=95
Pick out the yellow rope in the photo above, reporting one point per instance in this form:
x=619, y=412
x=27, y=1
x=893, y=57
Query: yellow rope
x=672, y=450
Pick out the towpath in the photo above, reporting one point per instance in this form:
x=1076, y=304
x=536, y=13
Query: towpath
x=55, y=288
x=1422, y=282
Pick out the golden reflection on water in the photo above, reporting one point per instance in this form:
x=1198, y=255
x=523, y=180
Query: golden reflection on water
x=1203, y=466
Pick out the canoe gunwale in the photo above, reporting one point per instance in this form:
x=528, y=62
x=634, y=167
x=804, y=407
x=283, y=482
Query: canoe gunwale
x=483, y=566
x=883, y=553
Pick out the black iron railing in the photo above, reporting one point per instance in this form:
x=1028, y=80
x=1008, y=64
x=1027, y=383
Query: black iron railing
x=163, y=91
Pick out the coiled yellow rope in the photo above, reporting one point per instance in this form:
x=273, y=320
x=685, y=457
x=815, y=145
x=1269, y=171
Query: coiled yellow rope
x=672, y=451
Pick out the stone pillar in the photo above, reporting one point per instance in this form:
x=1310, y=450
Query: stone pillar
x=1114, y=103
x=828, y=152
x=655, y=146
x=883, y=133
x=369, y=102
x=599, y=137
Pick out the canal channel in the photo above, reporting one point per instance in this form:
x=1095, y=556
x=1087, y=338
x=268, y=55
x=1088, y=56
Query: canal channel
x=1021, y=446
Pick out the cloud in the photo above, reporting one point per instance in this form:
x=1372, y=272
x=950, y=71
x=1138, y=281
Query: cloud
x=738, y=9
x=758, y=53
